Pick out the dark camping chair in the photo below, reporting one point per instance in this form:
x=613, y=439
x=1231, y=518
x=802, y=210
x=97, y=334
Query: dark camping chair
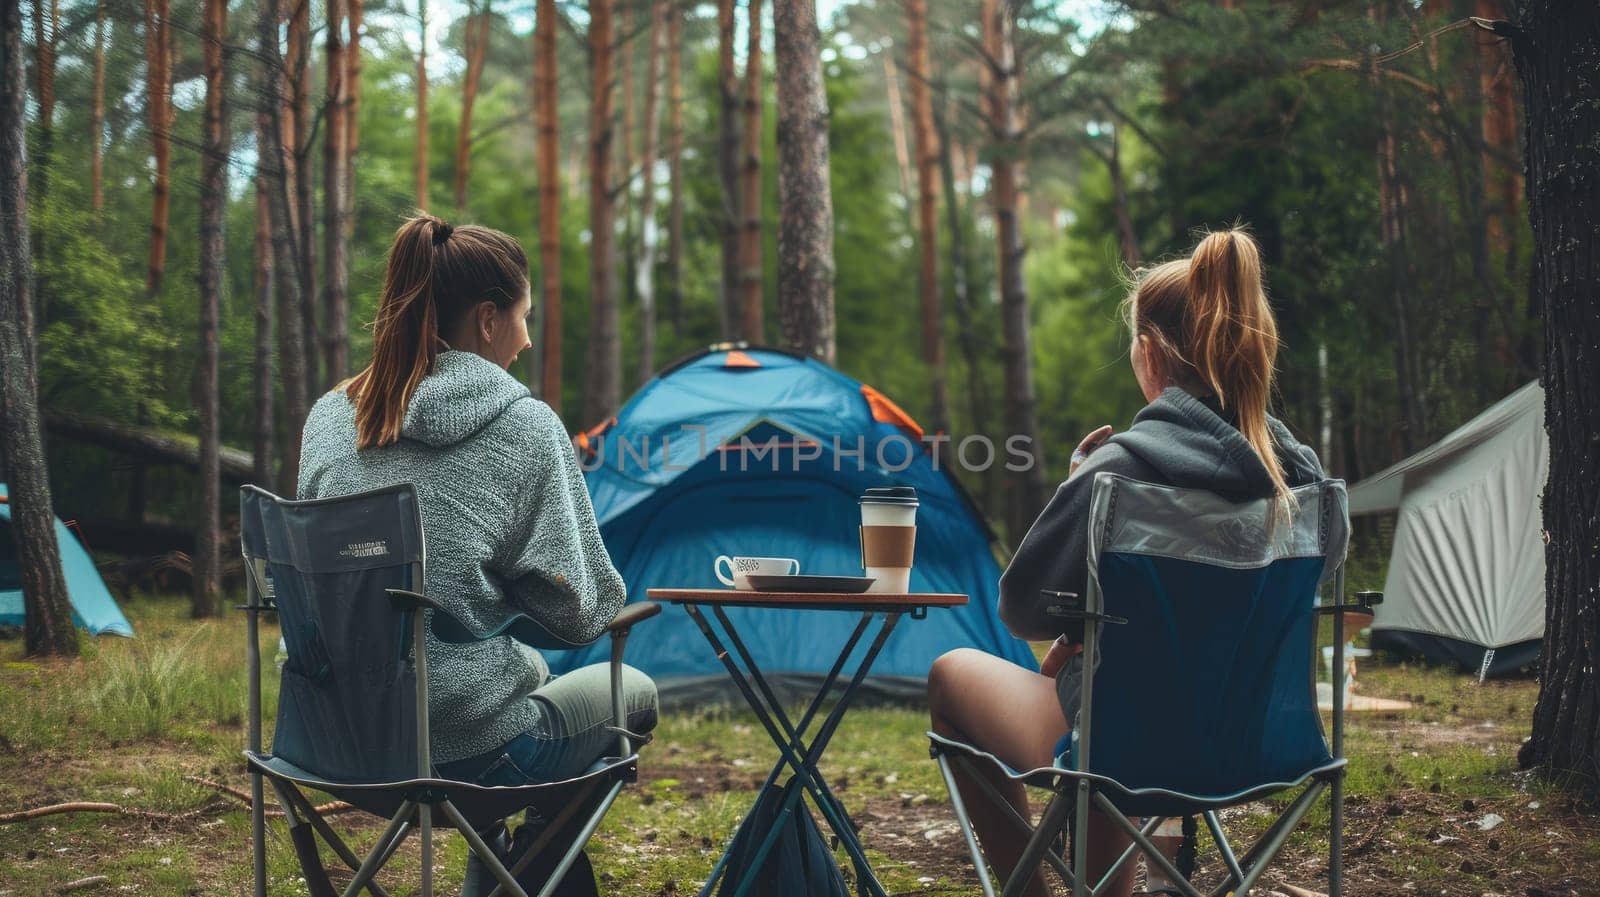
x=1204, y=622
x=345, y=576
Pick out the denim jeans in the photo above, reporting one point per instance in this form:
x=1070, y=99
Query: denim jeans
x=571, y=733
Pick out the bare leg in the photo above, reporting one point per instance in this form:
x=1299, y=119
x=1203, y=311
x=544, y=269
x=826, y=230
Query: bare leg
x=1013, y=713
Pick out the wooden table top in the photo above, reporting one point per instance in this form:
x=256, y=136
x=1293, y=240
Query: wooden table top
x=808, y=600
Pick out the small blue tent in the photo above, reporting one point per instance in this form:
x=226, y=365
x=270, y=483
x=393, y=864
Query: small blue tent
x=93, y=608
x=762, y=453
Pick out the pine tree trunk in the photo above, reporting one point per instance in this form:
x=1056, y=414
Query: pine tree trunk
x=1127, y=240
x=1557, y=48
x=1027, y=486
x=158, y=90
x=728, y=169
x=97, y=199
x=276, y=162
x=897, y=126
x=602, y=388
x=675, y=165
x=805, y=203
x=972, y=353
x=549, y=153
x=305, y=211
x=422, y=105
x=262, y=368
x=335, y=150
x=649, y=234
x=751, y=325
x=213, y=202
x=1392, y=233
x=477, y=45
x=352, y=120
x=47, y=627
x=927, y=211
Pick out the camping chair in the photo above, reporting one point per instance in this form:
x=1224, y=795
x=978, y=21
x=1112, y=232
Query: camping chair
x=1203, y=622
x=346, y=578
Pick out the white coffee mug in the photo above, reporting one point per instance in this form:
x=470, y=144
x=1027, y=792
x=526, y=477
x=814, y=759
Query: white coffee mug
x=740, y=569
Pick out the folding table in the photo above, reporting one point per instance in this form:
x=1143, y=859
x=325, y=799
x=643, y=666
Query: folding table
x=794, y=753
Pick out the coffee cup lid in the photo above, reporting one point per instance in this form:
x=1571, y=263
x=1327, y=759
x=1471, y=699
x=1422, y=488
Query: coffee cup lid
x=891, y=495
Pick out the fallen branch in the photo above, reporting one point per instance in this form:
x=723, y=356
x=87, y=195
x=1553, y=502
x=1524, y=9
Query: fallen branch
x=82, y=883
x=93, y=807
x=327, y=809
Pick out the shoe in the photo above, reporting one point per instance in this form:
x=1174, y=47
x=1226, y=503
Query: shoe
x=480, y=881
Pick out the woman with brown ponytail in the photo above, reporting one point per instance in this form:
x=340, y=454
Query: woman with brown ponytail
x=505, y=513
x=1204, y=345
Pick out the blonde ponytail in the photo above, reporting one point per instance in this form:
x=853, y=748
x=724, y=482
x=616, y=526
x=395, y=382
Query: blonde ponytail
x=1210, y=317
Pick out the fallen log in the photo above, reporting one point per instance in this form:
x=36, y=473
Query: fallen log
x=145, y=443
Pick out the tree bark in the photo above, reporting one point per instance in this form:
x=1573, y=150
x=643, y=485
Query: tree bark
x=675, y=165
x=602, y=388
x=97, y=197
x=213, y=202
x=158, y=104
x=751, y=325
x=897, y=125
x=1027, y=487
x=477, y=45
x=263, y=368
x=805, y=203
x=972, y=353
x=549, y=153
x=1556, y=44
x=285, y=259
x=649, y=235
x=300, y=148
x=335, y=164
x=47, y=627
x=728, y=169
x=422, y=105
x=927, y=211
x=1126, y=238
x=352, y=122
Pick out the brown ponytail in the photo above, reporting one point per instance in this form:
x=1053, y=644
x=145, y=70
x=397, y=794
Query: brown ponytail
x=1210, y=318
x=436, y=273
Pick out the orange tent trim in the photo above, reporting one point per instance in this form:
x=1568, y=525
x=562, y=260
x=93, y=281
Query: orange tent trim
x=886, y=411
x=737, y=359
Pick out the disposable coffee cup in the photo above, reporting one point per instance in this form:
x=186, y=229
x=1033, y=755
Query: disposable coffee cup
x=889, y=537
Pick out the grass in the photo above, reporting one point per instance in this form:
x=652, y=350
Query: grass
x=136, y=722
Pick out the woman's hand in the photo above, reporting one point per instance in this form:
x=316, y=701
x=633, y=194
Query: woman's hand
x=1060, y=652
x=1086, y=448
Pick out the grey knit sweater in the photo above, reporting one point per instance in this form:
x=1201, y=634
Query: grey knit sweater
x=508, y=528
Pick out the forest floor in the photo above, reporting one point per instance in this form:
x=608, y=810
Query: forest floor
x=140, y=723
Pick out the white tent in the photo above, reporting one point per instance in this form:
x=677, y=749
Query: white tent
x=1466, y=580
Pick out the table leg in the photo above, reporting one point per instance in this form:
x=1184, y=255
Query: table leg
x=794, y=753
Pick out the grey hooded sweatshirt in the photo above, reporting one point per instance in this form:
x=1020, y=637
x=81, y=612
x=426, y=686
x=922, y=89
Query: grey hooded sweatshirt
x=1177, y=440
x=508, y=529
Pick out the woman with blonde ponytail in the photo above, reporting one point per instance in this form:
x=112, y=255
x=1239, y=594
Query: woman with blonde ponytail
x=1204, y=347
x=505, y=513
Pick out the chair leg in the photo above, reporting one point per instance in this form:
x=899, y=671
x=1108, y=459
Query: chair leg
x=579, y=842
x=960, y=808
x=425, y=827
x=1336, y=835
x=476, y=842
x=549, y=833
x=1150, y=851
x=304, y=808
x=1055, y=816
x=380, y=851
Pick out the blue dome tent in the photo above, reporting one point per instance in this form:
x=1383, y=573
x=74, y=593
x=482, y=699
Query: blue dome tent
x=93, y=608
x=763, y=453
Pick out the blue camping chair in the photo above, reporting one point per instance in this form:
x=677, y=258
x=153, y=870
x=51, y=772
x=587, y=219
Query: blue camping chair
x=345, y=576
x=1203, y=618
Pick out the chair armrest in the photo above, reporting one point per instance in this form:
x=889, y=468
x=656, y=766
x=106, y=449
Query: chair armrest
x=1070, y=606
x=449, y=628
x=631, y=615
